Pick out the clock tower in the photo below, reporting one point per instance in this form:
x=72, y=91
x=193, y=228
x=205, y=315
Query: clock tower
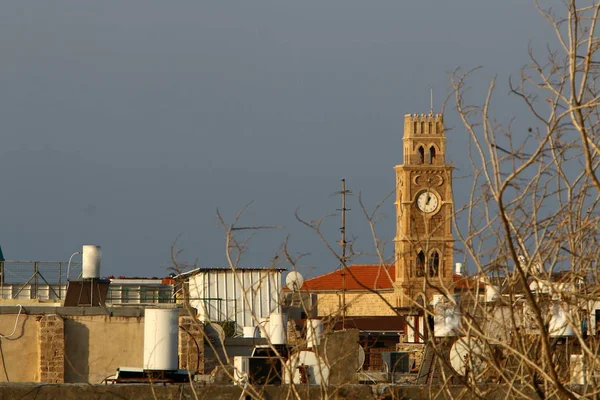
x=424, y=242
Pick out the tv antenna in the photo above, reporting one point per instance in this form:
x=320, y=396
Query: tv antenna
x=431, y=100
x=344, y=245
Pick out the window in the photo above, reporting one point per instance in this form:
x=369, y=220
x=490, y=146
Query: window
x=431, y=155
x=434, y=263
x=430, y=128
x=415, y=127
x=421, y=155
x=420, y=263
x=423, y=127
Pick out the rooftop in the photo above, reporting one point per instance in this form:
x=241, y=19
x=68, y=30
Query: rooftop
x=358, y=277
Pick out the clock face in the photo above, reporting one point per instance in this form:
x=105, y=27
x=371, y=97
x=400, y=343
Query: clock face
x=427, y=202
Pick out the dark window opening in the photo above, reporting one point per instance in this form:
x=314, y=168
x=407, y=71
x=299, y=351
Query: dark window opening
x=415, y=127
x=434, y=264
x=421, y=155
x=431, y=128
x=420, y=264
x=431, y=155
x=422, y=127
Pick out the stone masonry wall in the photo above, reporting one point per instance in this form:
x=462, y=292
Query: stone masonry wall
x=52, y=349
x=358, y=304
x=191, y=344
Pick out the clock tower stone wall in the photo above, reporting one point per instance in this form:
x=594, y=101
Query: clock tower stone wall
x=424, y=243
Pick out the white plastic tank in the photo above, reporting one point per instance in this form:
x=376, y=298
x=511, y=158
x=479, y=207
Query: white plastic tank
x=492, y=293
x=314, y=332
x=446, y=319
x=458, y=269
x=92, y=255
x=559, y=322
x=277, y=328
x=248, y=331
x=161, y=328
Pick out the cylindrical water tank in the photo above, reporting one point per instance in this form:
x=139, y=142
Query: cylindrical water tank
x=446, y=319
x=492, y=293
x=161, y=327
x=559, y=322
x=458, y=269
x=248, y=331
x=314, y=332
x=277, y=328
x=92, y=255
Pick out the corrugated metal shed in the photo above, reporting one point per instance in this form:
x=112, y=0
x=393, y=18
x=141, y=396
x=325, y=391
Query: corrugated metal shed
x=240, y=295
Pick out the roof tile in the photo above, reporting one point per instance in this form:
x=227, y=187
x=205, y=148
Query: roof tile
x=358, y=277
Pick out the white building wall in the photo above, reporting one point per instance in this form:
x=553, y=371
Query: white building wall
x=226, y=295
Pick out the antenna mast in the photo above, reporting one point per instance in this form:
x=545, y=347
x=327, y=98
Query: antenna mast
x=431, y=100
x=344, y=244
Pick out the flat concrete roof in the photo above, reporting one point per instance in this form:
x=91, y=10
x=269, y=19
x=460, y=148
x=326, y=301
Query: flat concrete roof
x=133, y=311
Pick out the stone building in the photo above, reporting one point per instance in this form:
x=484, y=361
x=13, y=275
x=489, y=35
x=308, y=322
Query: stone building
x=83, y=344
x=424, y=243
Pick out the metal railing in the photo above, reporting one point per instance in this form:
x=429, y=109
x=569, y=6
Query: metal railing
x=41, y=279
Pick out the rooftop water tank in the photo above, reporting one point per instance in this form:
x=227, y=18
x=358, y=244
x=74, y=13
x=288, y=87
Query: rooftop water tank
x=277, y=328
x=92, y=255
x=446, y=319
x=161, y=328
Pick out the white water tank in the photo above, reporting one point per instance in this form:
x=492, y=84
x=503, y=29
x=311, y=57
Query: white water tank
x=249, y=331
x=161, y=328
x=446, y=318
x=314, y=332
x=92, y=255
x=492, y=293
x=559, y=322
x=276, y=328
x=458, y=269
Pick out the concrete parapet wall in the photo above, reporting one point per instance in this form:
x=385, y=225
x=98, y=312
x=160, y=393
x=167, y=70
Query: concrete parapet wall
x=82, y=344
x=18, y=347
x=226, y=392
x=96, y=345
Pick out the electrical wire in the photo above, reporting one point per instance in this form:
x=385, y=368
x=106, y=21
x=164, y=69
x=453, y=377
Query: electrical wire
x=16, y=322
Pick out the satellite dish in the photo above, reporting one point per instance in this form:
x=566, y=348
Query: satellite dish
x=361, y=357
x=467, y=357
x=307, y=368
x=294, y=280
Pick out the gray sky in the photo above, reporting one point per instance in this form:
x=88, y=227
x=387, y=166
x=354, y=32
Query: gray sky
x=128, y=123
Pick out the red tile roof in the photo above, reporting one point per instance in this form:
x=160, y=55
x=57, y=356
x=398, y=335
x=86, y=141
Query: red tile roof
x=466, y=282
x=373, y=276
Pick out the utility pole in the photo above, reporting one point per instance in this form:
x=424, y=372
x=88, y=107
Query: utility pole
x=344, y=244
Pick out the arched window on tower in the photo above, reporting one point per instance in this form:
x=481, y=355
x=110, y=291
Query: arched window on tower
x=430, y=128
x=432, y=155
x=415, y=127
x=434, y=263
x=420, y=270
x=421, y=152
x=423, y=127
